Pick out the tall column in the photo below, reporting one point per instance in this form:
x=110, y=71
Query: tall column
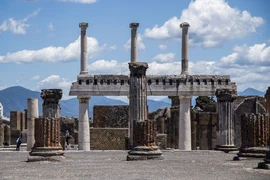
x=143, y=130
x=184, y=123
x=133, y=42
x=225, y=138
x=84, y=128
x=47, y=129
x=84, y=56
x=184, y=27
x=32, y=114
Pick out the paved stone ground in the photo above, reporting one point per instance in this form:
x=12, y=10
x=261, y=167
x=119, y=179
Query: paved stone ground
x=194, y=165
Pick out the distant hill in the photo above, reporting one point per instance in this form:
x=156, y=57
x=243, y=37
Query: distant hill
x=251, y=92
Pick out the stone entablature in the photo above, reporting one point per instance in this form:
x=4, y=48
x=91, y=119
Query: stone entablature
x=166, y=85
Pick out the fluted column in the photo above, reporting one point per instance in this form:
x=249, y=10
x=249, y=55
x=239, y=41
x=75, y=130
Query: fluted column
x=133, y=42
x=84, y=128
x=184, y=27
x=32, y=113
x=184, y=123
x=225, y=138
x=84, y=56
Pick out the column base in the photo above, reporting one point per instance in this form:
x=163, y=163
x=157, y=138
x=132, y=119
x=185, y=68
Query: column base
x=145, y=153
x=46, y=154
x=256, y=152
x=226, y=148
x=266, y=163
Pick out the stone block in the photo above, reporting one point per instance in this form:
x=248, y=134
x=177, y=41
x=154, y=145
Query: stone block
x=1, y=134
x=161, y=141
x=15, y=120
x=7, y=134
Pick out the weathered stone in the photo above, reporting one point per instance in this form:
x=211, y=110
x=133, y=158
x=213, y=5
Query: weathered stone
x=2, y=135
x=7, y=134
x=161, y=141
x=32, y=114
x=133, y=43
x=15, y=120
x=84, y=56
x=184, y=27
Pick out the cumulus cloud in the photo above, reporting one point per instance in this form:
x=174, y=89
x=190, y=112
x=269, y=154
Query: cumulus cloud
x=258, y=54
x=212, y=22
x=80, y=1
x=162, y=46
x=55, y=82
x=141, y=45
x=108, y=67
x=162, y=58
x=55, y=54
x=17, y=26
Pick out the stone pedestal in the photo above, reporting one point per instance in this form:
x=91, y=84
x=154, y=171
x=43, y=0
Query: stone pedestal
x=266, y=163
x=255, y=135
x=184, y=124
x=225, y=137
x=143, y=131
x=47, y=129
x=32, y=113
x=84, y=132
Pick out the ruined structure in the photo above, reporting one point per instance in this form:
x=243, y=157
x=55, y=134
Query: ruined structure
x=183, y=86
x=47, y=129
x=255, y=131
x=32, y=114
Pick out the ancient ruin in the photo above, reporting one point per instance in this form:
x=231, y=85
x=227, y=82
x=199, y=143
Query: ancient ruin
x=47, y=129
x=184, y=86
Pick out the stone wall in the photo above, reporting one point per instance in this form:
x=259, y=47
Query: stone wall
x=15, y=120
x=108, y=138
x=204, y=129
x=111, y=116
x=1, y=134
x=245, y=105
x=267, y=100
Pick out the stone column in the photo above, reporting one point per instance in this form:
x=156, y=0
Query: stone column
x=84, y=128
x=143, y=130
x=267, y=99
x=32, y=113
x=133, y=42
x=184, y=27
x=184, y=123
x=84, y=56
x=7, y=134
x=225, y=139
x=47, y=129
x=2, y=134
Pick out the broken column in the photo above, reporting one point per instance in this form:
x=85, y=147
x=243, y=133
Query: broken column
x=32, y=114
x=84, y=132
x=133, y=42
x=47, y=129
x=225, y=138
x=7, y=134
x=184, y=123
x=84, y=56
x=184, y=27
x=255, y=135
x=144, y=130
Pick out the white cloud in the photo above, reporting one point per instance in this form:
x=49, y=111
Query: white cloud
x=162, y=46
x=17, y=26
x=212, y=22
x=258, y=54
x=80, y=1
x=37, y=77
x=162, y=58
x=108, y=67
x=55, y=54
x=50, y=27
x=141, y=46
x=55, y=82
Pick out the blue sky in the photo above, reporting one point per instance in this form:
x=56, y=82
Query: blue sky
x=39, y=39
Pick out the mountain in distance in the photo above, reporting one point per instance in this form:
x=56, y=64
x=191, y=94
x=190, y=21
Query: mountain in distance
x=15, y=99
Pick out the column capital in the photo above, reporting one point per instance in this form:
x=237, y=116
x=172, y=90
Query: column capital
x=83, y=26
x=225, y=95
x=138, y=67
x=83, y=99
x=184, y=25
x=134, y=25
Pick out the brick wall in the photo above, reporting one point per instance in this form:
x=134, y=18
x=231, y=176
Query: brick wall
x=108, y=138
x=111, y=116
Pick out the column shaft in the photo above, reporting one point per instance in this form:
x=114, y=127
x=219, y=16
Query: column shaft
x=84, y=56
x=184, y=124
x=84, y=129
x=32, y=113
x=184, y=27
x=133, y=42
